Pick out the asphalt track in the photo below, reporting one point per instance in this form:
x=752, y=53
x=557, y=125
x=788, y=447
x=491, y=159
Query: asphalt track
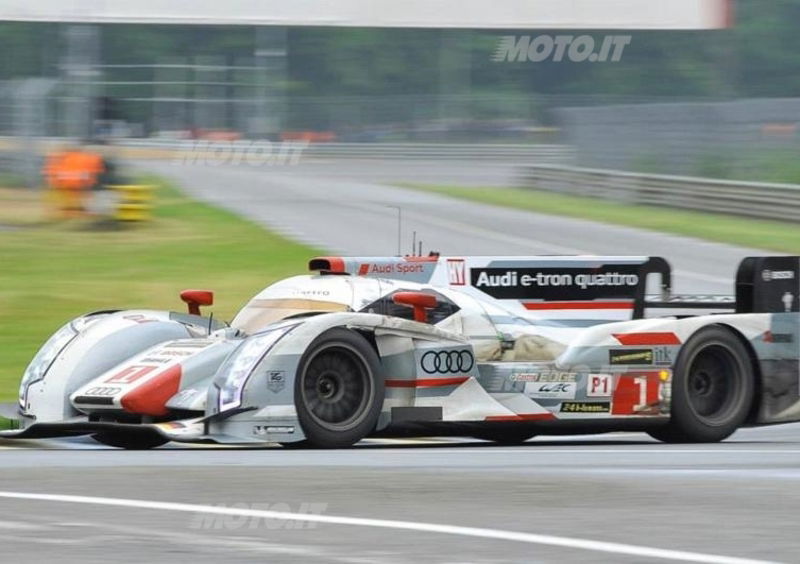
x=346, y=207
x=613, y=498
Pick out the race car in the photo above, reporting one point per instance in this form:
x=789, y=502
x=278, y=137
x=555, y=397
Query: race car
x=498, y=348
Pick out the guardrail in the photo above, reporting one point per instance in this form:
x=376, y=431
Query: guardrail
x=748, y=199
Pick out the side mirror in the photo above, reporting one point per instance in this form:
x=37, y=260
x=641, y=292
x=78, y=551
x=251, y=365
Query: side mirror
x=197, y=298
x=420, y=301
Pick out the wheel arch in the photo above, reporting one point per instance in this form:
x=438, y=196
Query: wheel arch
x=369, y=336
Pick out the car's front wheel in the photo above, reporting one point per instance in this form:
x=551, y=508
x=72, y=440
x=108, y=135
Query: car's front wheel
x=712, y=388
x=339, y=389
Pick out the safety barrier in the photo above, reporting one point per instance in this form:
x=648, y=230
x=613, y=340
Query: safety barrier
x=749, y=199
x=135, y=202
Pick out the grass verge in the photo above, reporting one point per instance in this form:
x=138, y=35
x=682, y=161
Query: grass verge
x=53, y=272
x=760, y=234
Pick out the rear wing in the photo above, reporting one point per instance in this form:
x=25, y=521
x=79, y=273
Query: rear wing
x=763, y=285
x=768, y=285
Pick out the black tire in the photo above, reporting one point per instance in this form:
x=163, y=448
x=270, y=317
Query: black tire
x=712, y=389
x=136, y=441
x=504, y=436
x=339, y=389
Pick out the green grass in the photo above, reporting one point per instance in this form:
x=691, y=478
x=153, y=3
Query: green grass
x=10, y=180
x=53, y=272
x=760, y=234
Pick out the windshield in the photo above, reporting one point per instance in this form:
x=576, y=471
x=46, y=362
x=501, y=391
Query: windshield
x=261, y=312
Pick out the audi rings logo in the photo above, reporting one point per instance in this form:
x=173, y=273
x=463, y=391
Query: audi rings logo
x=103, y=391
x=447, y=362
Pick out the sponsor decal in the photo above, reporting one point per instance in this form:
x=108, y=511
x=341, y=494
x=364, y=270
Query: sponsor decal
x=663, y=355
x=550, y=390
x=276, y=380
x=103, y=391
x=770, y=275
x=599, y=385
x=170, y=352
x=612, y=281
x=447, y=362
x=585, y=407
x=130, y=374
x=386, y=269
x=783, y=338
x=195, y=344
x=630, y=356
x=456, y=272
x=299, y=292
x=156, y=360
x=638, y=393
x=262, y=430
x=545, y=376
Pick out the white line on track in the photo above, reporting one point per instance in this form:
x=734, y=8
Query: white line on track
x=474, y=532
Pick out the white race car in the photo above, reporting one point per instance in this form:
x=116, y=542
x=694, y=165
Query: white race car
x=499, y=348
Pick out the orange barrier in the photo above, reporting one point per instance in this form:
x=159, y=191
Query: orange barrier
x=310, y=136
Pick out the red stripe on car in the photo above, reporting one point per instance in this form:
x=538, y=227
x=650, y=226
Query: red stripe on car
x=150, y=398
x=522, y=417
x=430, y=258
x=647, y=338
x=426, y=383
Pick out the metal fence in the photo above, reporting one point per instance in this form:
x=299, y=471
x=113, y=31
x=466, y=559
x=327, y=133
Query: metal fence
x=732, y=139
x=748, y=199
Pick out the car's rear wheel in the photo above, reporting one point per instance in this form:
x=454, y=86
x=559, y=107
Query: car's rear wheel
x=137, y=441
x=339, y=389
x=712, y=389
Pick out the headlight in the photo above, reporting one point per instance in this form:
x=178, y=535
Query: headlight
x=238, y=367
x=44, y=358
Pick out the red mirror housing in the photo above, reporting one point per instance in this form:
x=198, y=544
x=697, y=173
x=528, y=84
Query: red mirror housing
x=420, y=301
x=197, y=298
